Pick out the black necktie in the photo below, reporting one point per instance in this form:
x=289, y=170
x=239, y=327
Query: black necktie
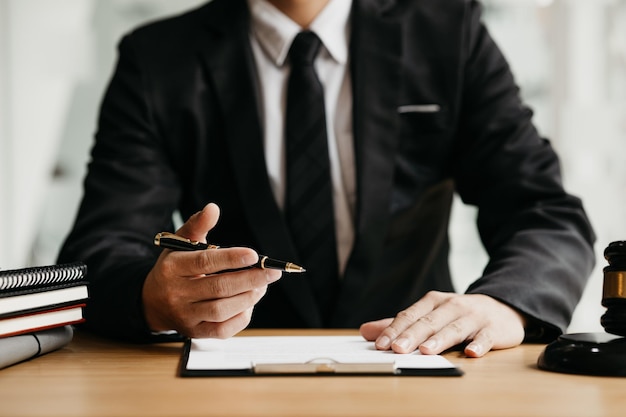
x=309, y=199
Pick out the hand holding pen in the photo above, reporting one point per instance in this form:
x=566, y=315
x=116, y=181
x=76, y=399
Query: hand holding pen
x=175, y=242
x=187, y=290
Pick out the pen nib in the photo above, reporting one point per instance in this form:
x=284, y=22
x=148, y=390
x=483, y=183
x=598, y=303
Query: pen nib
x=291, y=267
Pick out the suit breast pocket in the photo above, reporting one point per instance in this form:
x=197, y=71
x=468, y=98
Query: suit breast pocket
x=423, y=148
x=422, y=118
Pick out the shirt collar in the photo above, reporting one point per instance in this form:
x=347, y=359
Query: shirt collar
x=275, y=31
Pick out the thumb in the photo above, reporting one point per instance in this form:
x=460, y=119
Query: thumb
x=198, y=225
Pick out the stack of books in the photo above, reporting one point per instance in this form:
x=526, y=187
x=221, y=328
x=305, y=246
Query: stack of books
x=39, y=305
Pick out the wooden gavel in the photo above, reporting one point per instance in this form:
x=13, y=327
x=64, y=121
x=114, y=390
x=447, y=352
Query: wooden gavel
x=614, y=289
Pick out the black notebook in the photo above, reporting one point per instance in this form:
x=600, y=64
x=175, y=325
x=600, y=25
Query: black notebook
x=41, y=276
x=28, y=290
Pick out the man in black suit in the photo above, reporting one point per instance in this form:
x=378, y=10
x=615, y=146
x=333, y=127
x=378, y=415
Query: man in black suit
x=420, y=104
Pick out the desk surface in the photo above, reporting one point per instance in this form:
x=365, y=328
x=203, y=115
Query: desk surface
x=97, y=377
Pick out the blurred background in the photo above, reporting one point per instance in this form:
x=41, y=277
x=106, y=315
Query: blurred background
x=56, y=57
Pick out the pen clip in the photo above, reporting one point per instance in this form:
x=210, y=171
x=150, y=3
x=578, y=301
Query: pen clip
x=165, y=236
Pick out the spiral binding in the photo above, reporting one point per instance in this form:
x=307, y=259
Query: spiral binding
x=42, y=275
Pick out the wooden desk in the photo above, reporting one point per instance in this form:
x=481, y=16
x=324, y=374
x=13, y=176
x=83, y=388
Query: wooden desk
x=96, y=377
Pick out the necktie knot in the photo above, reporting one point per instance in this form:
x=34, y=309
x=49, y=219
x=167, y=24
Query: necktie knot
x=304, y=48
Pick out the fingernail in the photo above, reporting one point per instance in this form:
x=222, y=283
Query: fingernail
x=383, y=342
x=475, y=348
x=430, y=344
x=402, y=343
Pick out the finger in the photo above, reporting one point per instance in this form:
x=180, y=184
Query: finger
x=372, y=329
x=482, y=343
x=210, y=261
x=406, y=319
x=230, y=284
x=451, y=334
x=199, y=224
x=223, y=309
x=426, y=328
x=222, y=330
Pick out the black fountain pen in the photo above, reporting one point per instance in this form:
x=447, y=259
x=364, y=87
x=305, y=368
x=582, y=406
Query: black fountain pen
x=175, y=242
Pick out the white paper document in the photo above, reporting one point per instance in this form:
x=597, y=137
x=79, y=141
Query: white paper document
x=305, y=355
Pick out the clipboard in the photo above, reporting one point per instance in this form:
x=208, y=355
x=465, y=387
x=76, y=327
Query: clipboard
x=304, y=356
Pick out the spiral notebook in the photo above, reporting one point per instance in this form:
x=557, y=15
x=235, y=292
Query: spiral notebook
x=29, y=290
x=41, y=276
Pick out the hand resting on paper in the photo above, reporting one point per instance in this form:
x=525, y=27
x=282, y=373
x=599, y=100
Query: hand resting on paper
x=177, y=294
x=441, y=320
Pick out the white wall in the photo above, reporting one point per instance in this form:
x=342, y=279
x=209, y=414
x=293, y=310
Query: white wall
x=56, y=59
x=56, y=56
x=5, y=116
x=44, y=60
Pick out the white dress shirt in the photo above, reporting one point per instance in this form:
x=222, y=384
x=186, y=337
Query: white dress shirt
x=271, y=35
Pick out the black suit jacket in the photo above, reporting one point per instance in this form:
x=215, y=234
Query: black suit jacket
x=180, y=127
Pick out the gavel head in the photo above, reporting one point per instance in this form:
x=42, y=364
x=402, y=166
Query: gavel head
x=614, y=289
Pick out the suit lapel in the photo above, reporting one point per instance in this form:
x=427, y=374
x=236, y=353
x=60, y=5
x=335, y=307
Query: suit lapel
x=376, y=49
x=230, y=64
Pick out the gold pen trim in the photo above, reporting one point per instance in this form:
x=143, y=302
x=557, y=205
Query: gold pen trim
x=168, y=235
x=291, y=267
